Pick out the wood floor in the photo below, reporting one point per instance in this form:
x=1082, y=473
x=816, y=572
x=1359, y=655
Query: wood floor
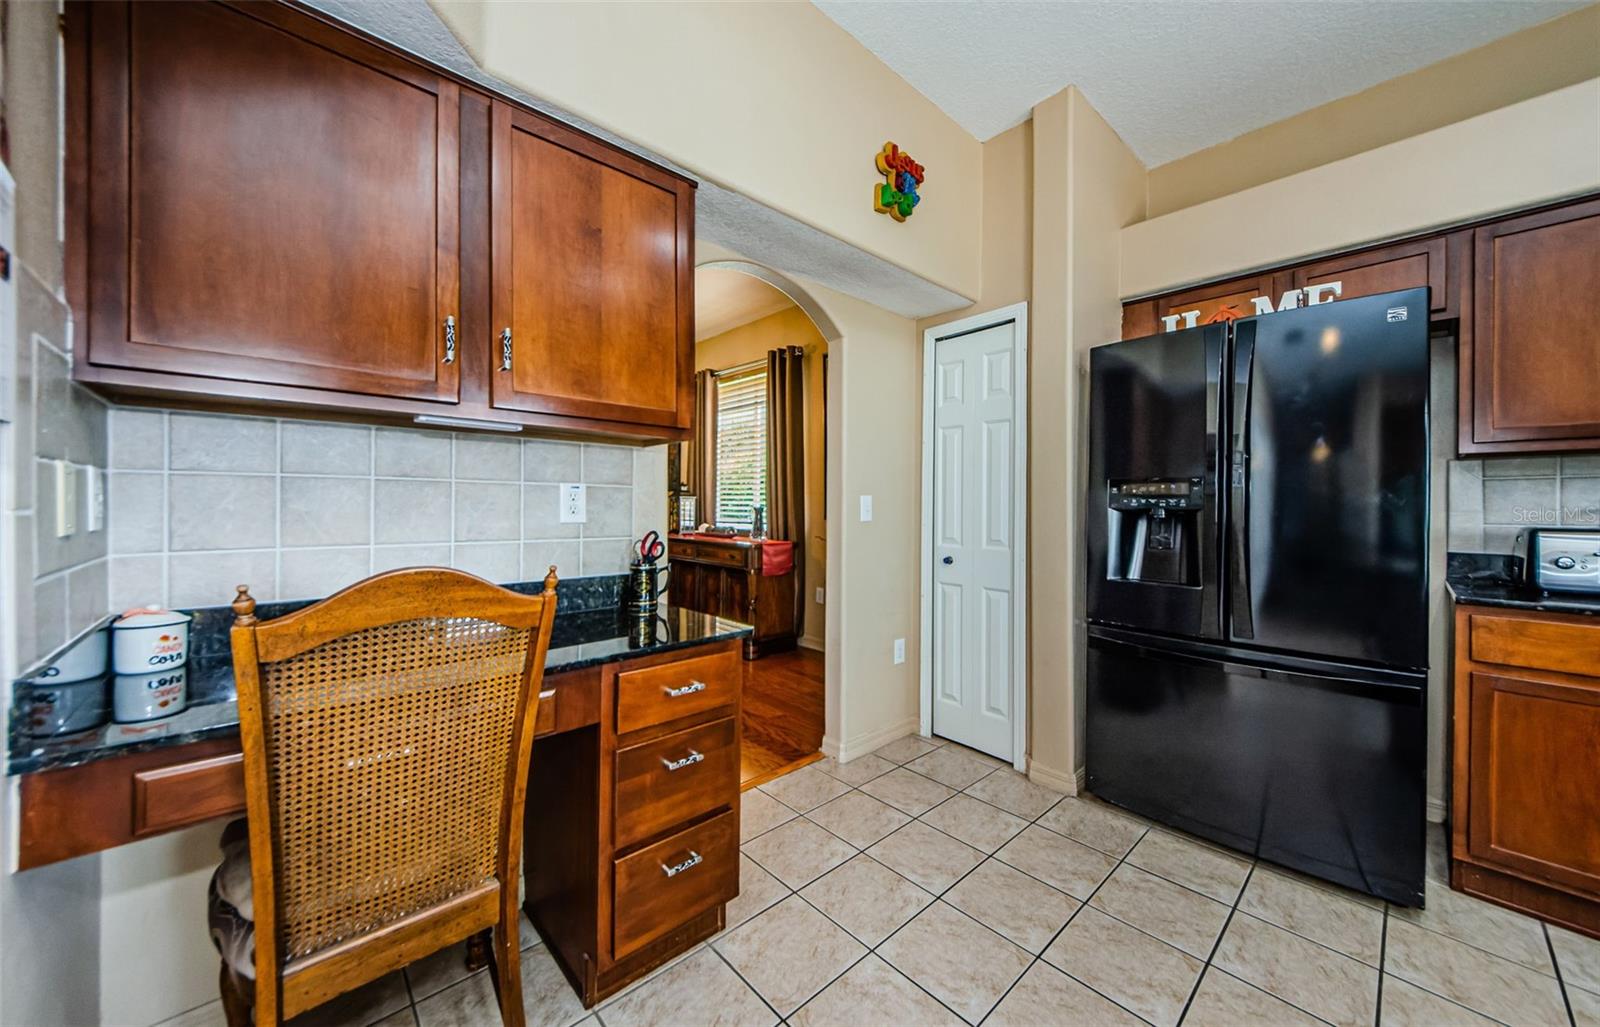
x=783, y=718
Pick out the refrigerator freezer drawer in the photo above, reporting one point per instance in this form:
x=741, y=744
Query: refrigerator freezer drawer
x=1321, y=773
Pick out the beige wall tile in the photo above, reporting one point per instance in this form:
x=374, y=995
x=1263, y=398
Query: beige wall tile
x=551, y=461
x=138, y=439
x=221, y=511
x=487, y=458
x=405, y=453
x=325, y=511
x=317, y=573
x=609, y=465
x=487, y=512
x=499, y=562
x=411, y=511
x=541, y=514
x=207, y=442
x=136, y=506
x=208, y=579
x=312, y=448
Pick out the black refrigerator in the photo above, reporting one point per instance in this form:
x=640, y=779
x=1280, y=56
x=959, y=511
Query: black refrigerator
x=1257, y=559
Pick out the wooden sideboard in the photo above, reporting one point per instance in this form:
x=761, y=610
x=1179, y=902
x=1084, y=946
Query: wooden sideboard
x=724, y=578
x=1525, y=818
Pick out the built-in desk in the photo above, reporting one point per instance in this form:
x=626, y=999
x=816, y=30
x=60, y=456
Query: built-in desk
x=623, y=695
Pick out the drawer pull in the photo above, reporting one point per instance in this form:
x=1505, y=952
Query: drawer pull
x=694, y=860
x=687, y=761
x=689, y=689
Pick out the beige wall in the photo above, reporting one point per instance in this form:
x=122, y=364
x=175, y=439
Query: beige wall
x=1518, y=156
x=740, y=117
x=753, y=341
x=1090, y=187
x=1526, y=64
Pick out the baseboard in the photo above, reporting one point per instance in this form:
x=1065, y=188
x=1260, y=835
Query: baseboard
x=1055, y=780
x=830, y=746
x=863, y=744
x=1438, y=810
x=807, y=642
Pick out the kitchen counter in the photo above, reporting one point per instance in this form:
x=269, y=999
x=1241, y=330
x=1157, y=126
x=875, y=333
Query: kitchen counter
x=66, y=725
x=1490, y=579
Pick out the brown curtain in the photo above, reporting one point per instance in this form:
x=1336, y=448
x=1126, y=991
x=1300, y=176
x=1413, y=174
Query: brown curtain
x=702, y=462
x=786, y=462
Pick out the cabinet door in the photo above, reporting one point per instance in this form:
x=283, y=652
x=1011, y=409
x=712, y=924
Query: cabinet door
x=270, y=201
x=1219, y=301
x=1534, y=759
x=1409, y=265
x=1536, y=319
x=593, y=276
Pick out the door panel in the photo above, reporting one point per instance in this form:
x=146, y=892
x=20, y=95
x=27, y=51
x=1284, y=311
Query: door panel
x=1411, y=265
x=273, y=202
x=974, y=439
x=1330, y=489
x=591, y=265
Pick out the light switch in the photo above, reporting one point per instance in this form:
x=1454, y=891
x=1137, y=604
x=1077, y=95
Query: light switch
x=94, y=494
x=574, y=504
x=66, y=499
x=899, y=650
x=866, y=508
x=821, y=600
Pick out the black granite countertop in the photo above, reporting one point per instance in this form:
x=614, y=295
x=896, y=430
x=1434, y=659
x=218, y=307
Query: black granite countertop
x=1490, y=579
x=67, y=724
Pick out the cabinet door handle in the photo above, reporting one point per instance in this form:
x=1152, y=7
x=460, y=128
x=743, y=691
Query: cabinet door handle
x=689, y=689
x=505, y=348
x=450, y=339
x=687, y=761
x=694, y=860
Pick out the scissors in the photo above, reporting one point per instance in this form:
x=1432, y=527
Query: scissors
x=650, y=548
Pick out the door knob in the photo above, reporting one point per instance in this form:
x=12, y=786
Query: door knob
x=949, y=560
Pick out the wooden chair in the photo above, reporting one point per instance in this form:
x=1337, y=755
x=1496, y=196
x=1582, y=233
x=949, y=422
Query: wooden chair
x=386, y=734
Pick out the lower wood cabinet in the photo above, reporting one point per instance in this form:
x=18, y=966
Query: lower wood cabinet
x=726, y=579
x=1526, y=779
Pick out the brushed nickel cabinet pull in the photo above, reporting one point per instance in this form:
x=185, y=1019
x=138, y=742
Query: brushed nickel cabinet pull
x=450, y=339
x=689, y=689
x=505, y=348
x=687, y=761
x=694, y=860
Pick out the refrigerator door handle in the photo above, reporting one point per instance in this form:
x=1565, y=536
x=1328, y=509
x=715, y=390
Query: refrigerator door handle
x=1239, y=478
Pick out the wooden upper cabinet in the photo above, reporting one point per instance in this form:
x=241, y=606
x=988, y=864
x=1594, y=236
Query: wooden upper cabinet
x=1407, y=265
x=592, y=278
x=1533, y=351
x=270, y=201
x=1220, y=300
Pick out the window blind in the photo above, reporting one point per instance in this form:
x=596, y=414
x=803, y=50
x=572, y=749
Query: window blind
x=741, y=447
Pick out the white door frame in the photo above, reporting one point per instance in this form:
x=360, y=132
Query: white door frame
x=1017, y=313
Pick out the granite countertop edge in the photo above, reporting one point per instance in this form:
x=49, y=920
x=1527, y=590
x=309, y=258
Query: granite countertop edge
x=1491, y=579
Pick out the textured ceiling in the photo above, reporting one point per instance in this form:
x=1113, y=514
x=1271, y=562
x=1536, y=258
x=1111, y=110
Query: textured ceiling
x=724, y=300
x=1171, y=76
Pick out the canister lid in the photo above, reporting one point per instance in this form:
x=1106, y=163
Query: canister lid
x=150, y=617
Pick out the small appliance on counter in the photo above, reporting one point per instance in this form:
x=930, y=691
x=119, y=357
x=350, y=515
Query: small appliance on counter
x=1561, y=559
x=147, y=639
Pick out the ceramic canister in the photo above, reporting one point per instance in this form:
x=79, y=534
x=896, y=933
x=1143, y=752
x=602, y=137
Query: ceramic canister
x=137, y=697
x=149, y=639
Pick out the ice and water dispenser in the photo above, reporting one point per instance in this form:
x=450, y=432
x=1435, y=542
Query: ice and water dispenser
x=1153, y=527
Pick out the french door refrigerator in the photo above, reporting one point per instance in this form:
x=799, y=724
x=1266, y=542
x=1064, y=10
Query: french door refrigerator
x=1257, y=526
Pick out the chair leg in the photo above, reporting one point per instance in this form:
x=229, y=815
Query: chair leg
x=478, y=950
x=235, y=1008
x=508, y=972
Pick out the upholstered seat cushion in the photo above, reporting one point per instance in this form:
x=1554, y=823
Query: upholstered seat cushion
x=231, y=905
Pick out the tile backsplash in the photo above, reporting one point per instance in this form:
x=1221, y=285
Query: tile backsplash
x=1493, y=498
x=200, y=503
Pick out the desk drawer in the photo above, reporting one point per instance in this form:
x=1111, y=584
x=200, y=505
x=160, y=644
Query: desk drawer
x=682, y=688
x=722, y=556
x=1536, y=644
x=675, y=779
x=669, y=883
x=165, y=798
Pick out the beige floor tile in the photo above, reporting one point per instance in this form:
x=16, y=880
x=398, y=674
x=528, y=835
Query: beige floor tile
x=1578, y=957
x=1438, y=854
x=432, y=974
x=208, y=1015
x=1224, y=1001
x=977, y=823
x=1507, y=991
x=758, y=890
x=1406, y=1005
x=867, y=899
x=366, y=1004
x=858, y=771
x=547, y=999
x=789, y=953
x=1157, y=906
x=904, y=750
x=805, y=789
x=1585, y=1006
x=929, y=858
x=1045, y=995
x=956, y=959
x=407, y=1017
x=871, y=994
x=858, y=818
x=798, y=853
x=760, y=813
x=1094, y=825
x=951, y=766
x=907, y=792
x=1014, y=793
x=699, y=990
x=981, y=757
x=1059, y=862
x=1315, y=913
x=1012, y=904
x=1130, y=967
x=1197, y=867
x=1319, y=980
x=1349, y=894
x=1482, y=925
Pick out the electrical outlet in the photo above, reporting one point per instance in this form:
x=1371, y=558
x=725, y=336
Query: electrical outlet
x=866, y=508
x=899, y=650
x=94, y=492
x=66, y=499
x=820, y=599
x=574, y=504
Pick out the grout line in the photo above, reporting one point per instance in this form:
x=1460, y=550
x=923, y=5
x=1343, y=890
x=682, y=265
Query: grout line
x=1561, y=981
x=1383, y=954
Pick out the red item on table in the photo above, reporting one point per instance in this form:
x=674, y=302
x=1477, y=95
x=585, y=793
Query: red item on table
x=777, y=558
